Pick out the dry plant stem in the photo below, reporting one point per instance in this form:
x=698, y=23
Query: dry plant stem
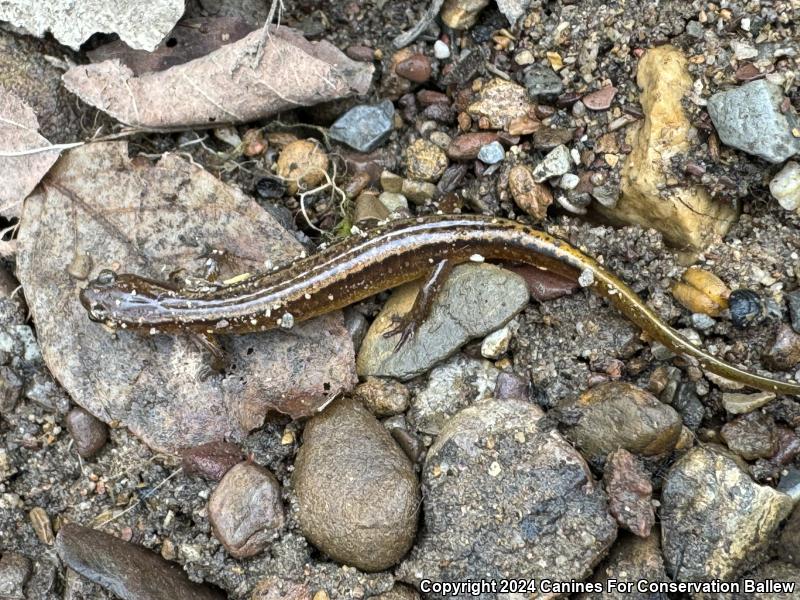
x=143, y=498
x=275, y=6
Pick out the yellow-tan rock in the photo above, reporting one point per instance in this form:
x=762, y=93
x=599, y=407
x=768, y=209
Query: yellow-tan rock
x=501, y=102
x=686, y=215
x=425, y=161
x=303, y=163
x=461, y=14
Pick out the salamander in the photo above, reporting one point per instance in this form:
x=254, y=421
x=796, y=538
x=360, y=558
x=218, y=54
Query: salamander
x=367, y=263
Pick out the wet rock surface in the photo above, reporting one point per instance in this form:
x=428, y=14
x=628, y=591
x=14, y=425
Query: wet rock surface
x=475, y=300
x=632, y=559
x=715, y=521
x=357, y=494
x=129, y=571
x=245, y=509
x=619, y=415
x=503, y=496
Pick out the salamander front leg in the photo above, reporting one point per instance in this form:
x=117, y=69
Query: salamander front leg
x=407, y=325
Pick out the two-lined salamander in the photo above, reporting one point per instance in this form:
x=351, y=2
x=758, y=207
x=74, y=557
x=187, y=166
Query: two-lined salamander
x=361, y=266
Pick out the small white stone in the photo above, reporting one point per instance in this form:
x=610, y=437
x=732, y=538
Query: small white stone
x=525, y=57
x=496, y=344
x=785, y=186
x=743, y=51
x=555, y=164
x=569, y=181
x=441, y=50
x=586, y=278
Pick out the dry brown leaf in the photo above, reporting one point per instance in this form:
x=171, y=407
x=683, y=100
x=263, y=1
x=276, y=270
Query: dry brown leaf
x=225, y=86
x=99, y=206
x=191, y=39
x=142, y=24
x=22, y=164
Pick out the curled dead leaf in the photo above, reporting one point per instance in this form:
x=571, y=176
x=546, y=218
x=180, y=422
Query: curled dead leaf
x=225, y=86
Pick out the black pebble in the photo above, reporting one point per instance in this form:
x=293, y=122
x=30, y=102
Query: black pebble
x=270, y=188
x=746, y=308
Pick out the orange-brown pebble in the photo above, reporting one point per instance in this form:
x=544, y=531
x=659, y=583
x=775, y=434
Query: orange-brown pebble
x=467, y=146
x=702, y=292
x=530, y=196
x=254, y=142
x=416, y=68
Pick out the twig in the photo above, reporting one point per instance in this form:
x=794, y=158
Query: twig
x=39, y=150
x=404, y=39
x=143, y=498
x=276, y=5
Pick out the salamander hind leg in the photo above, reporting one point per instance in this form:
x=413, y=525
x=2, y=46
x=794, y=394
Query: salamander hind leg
x=218, y=358
x=406, y=326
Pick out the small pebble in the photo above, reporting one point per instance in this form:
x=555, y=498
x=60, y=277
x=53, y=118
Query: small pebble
x=702, y=321
x=569, y=181
x=738, y=404
x=557, y=162
x=600, y=99
x=467, y=146
x=793, y=300
x=491, y=153
x=630, y=492
x=211, y=460
x=364, y=127
x=416, y=68
x=785, y=186
x=784, y=354
x=391, y=182
x=245, y=509
x=532, y=197
x=303, y=164
x=40, y=521
x=746, y=308
x=496, y=344
x=15, y=571
x=393, y=202
x=425, y=161
x=382, y=397
x=88, y=432
x=441, y=50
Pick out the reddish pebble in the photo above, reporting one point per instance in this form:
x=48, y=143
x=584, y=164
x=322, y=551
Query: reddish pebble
x=545, y=285
x=629, y=493
x=211, y=460
x=467, y=146
x=416, y=67
x=600, y=99
x=360, y=53
x=88, y=432
x=748, y=72
x=431, y=97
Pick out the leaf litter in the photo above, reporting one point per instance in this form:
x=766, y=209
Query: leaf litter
x=100, y=209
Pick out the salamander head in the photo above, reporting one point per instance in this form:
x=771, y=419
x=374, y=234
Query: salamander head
x=122, y=300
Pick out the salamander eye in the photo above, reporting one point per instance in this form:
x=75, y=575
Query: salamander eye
x=106, y=277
